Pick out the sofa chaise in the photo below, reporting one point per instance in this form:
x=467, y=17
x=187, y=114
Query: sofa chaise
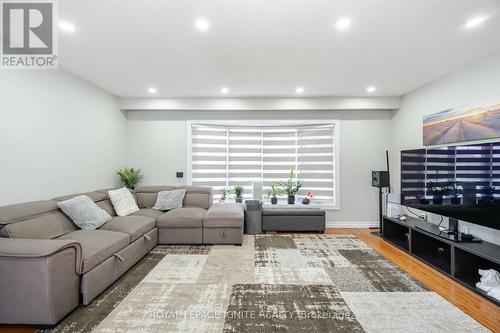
x=48, y=266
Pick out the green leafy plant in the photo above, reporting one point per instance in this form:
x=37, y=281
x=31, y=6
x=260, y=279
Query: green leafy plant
x=455, y=190
x=238, y=190
x=224, y=191
x=290, y=186
x=130, y=177
x=487, y=192
x=433, y=189
x=274, y=191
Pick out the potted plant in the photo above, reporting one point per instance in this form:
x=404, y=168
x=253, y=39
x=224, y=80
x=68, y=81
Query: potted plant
x=307, y=199
x=224, y=191
x=422, y=199
x=437, y=192
x=455, y=190
x=291, y=187
x=487, y=192
x=273, y=193
x=238, y=190
x=130, y=177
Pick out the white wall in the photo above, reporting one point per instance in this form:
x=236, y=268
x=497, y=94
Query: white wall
x=58, y=135
x=157, y=145
x=476, y=82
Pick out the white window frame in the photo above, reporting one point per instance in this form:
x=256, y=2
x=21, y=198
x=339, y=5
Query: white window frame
x=336, y=146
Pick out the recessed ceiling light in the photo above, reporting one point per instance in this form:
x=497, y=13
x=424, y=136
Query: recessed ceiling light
x=370, y=89
x=475, y=22
x=202, y=24
x=343, y=24
x=66, y=26
x=224, y=90
x=152, y=90
x=299, y=90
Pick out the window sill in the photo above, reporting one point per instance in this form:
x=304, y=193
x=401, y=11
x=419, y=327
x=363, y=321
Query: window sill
x=297, y=204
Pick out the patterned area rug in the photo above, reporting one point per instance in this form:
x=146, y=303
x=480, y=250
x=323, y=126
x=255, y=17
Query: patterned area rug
x=273, y=283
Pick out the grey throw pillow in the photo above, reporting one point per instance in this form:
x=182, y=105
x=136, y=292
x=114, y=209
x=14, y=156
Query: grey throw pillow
x=84, y=212
x=168, y=200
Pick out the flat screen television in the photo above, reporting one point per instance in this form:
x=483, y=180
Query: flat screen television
x=461, y=182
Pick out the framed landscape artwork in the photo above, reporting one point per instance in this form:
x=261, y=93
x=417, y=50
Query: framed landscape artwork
x=462, y=124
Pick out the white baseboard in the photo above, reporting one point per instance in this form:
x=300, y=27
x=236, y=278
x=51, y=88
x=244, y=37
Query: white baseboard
x=351, y=224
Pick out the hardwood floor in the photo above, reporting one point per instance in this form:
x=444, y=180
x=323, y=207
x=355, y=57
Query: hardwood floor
x=474, y=305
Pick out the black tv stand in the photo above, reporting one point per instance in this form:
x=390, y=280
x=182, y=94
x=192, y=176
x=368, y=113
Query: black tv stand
x=450, y=235
x=458, y=260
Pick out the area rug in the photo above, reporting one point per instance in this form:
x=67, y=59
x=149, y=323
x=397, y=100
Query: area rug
x=272, y=283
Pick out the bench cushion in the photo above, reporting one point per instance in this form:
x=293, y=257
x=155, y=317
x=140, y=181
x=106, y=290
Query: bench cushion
x=135, y=226
x=182, y=218
x=224, y=216
x=97, y=245
x=299, y=211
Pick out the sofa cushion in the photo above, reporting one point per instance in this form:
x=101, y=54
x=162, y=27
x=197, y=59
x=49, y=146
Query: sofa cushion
x=147, y=195
x=182, y=218
x=97, y=245
x=84, y=212
x=94, y=196
x=135, y=226
x=149, y=212
x=47, y=226
x=17, y=212
x=197, y=196
x=224, y=215
x=168, y=200
x=107, y=206
x=123, y=201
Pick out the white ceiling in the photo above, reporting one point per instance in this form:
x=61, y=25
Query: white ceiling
x=269, y=47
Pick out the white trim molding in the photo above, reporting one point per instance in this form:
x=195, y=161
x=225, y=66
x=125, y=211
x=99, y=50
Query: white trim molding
x=351, y=224
x=258, y=104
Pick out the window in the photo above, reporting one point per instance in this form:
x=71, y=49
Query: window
x=229, y=154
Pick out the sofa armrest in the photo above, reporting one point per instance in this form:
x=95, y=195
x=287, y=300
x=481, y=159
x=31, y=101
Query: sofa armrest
x=39, y=281
x=33, y=248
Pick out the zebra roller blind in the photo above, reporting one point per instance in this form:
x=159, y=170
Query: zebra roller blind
x=230, y=155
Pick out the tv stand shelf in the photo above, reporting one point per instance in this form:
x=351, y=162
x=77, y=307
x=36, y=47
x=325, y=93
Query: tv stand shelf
x=459, y=260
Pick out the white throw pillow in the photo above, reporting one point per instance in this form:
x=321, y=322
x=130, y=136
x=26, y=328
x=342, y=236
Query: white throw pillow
x=123, y=201
x=84, y=212
x=168, y=200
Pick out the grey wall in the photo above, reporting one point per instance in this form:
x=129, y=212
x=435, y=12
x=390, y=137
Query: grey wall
x=157, y=144
x=58, y=135
x=474, y=83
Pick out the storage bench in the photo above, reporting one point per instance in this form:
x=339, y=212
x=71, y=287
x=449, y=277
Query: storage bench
x=293, y=219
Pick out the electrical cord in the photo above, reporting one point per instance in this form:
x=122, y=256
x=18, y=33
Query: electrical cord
x=416, y=215
x=440, y=222
x=411, y=212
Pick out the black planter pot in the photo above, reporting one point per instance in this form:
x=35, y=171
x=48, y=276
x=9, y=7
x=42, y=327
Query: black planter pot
x=291, y=200
x=274, y=201
x=306, y=201
x=239, y=199
x=456, y=201
x=437, y=199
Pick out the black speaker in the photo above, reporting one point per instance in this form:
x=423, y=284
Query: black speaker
x=380, y=179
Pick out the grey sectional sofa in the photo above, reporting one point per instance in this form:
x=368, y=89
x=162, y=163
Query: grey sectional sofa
x=48, y=266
